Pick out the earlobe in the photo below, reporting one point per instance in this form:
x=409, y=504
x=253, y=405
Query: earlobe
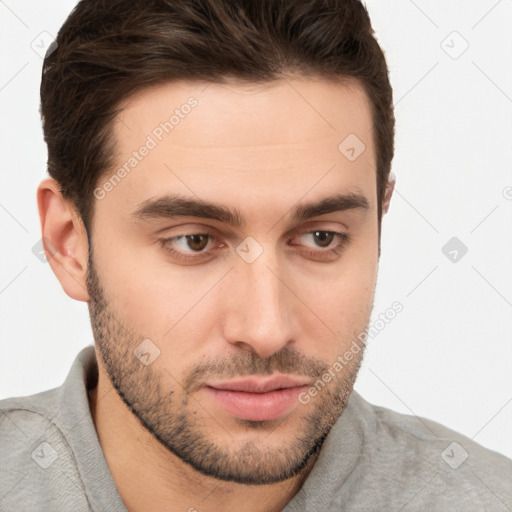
x=390, y=186
x=64, y=239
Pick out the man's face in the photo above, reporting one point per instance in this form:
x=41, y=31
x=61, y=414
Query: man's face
x=195, y=313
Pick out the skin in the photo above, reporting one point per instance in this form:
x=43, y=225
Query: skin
x=261, y=150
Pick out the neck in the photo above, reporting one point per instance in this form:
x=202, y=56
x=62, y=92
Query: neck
x=151, y=478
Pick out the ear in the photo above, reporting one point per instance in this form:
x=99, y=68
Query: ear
x=390, y=186
x=64, y=239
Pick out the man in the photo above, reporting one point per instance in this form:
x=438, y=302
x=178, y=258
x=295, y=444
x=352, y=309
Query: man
x=218, y=175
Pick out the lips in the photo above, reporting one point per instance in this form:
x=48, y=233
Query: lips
x=261, y=385
x=258, y=399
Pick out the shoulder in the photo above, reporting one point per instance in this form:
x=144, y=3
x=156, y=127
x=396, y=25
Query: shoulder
x=26, y=418
x=37, y=465
x=430, y=464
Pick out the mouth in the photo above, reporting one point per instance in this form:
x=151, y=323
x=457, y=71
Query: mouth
x=258, y=399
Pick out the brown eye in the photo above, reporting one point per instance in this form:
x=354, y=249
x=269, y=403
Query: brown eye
x=324, y=238
x=322, y=245
x=197, y=242
x=190, y=248
x=321, y=239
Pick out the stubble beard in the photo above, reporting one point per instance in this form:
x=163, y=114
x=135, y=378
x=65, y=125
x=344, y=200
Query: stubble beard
x=174, y=418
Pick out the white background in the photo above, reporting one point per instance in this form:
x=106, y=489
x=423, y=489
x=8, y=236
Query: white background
x=448, y=355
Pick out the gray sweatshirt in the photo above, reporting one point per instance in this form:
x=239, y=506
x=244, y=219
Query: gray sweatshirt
x=372, y=459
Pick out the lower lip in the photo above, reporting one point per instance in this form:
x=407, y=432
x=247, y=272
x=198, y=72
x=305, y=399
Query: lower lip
x=257, y=406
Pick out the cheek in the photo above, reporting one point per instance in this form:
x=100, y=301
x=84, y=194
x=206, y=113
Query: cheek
x=344, y=298
x=346, y=305
x=128, y=279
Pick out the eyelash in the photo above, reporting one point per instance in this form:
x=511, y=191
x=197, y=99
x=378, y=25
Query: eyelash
x=343, y=238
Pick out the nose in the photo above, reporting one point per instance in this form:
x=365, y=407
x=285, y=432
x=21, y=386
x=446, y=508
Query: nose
x=260, y=311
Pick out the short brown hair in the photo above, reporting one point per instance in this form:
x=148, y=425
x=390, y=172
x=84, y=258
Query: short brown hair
x=109, y=49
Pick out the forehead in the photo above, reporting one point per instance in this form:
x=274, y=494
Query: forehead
x=225, y=139
x=289, y=110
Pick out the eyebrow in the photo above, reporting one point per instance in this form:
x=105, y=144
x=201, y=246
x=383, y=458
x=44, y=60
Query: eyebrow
x=174, y=206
